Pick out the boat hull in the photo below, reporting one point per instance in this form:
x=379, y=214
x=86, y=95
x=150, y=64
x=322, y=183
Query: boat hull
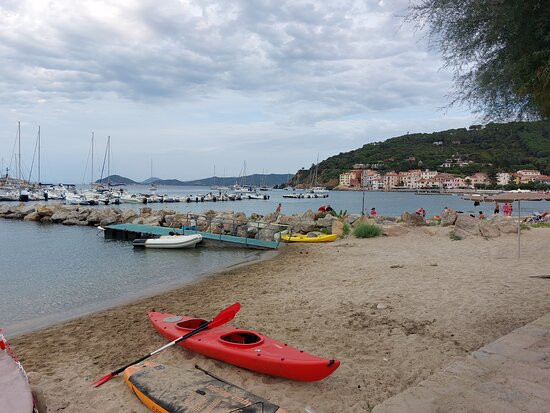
x=305, y=238
x=170, y=242
x=245, y=348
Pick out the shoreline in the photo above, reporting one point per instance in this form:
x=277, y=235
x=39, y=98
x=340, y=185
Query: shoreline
x=51, y=320
x=393, y=310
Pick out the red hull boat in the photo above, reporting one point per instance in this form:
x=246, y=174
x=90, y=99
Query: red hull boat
x=245, y=348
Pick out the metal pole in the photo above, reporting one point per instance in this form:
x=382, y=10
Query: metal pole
x=363, y=205
x=519, y=228
x=39, y=154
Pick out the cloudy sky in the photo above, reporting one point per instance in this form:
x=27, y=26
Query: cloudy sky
x=191, y=85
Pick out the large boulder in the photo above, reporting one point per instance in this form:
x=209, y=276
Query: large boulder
x=337, y=228
x=326, y=221
x=127, y=216
x=412, y=219
x=394, y=230
x=448, y=217
x=489, y=229
x=351, y=218
x=60, y=215
x=145, y=211
x=303, y=225
x=153, y=220
x=466, y=225
x=45, y=210
x=507, y=225
x=33, y=216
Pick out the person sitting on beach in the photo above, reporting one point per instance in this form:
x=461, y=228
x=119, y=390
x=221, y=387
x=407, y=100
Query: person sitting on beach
x=505, y=209
x=329, y=208
x=322, y=208
x=373, y=212
x=481, y=216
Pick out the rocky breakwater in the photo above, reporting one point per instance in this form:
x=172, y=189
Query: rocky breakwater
x=266, y=227
x=466, y=225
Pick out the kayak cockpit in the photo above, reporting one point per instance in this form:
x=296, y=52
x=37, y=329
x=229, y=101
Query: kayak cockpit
x=191, y=324
x=242, y=338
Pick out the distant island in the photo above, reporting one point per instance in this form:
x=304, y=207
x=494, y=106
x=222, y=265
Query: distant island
x=269, y=180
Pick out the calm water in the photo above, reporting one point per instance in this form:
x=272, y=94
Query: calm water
x=386, y=203
x=49, y=273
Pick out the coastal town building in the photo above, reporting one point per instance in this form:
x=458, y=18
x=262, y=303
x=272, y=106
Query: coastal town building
x=414, y=179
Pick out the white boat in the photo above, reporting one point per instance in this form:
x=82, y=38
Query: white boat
x=15, y=390
x=170, y=241
x=319, y=190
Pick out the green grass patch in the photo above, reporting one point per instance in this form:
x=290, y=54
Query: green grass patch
x=541, y=225
x=367, y=230
x=346, y=230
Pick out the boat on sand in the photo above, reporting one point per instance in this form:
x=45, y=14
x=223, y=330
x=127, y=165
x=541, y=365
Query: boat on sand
x=164, y=388
x=245, y=348
x=311, y=237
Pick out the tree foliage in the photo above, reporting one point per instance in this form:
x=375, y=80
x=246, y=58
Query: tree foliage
x=499, y=51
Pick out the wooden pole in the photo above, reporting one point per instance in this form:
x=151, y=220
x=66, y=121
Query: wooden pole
x=519, y=228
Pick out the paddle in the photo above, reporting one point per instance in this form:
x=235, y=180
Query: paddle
x=223, y=317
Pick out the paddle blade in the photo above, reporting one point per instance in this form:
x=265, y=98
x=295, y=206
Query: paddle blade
x=225, y=315
x=101, y=380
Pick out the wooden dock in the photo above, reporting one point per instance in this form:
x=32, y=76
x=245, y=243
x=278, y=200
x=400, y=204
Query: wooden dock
x=130, y=232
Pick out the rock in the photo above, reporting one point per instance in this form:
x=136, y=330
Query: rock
x=489, y=229
x=70, y=222
x=33, y=216
x=466, y=225
x=337, y=227
x=127, y=216
x=394, y=230
x=108, y=220
x=412, y=219
x=429, y=231
x=138, y=221
x=269, y=218
x=6, y=209
x=309, y=215
x=507, y=225
x=153, y=220
x=448, y=217
x=26, y=209
x=351, y=218
x=381, y=306
x=303, y=225
x=145, y=211
x=60, y=216
x=267, y=234
x=46, y=220
x=362, y=219
x=327, y=221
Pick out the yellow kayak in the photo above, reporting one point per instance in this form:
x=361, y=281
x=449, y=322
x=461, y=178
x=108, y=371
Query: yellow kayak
x=306, y=238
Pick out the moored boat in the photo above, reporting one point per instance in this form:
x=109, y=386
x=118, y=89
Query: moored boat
x=245, y=348
x=170, y=241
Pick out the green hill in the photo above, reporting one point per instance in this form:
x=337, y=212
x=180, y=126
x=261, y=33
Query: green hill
x=493, y=148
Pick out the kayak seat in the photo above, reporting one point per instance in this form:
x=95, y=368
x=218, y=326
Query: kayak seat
x=191, y=324
x=241, y=337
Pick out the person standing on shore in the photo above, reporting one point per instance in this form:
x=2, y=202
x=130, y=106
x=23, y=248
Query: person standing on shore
x=505, y=209
x=278, y=209
x=497, y=208
x=510, y=209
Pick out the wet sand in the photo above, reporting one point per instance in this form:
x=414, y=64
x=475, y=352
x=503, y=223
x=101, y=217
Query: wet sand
x=394, y=310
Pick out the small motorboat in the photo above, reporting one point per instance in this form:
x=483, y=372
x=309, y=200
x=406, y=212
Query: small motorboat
x=169, y=241
x=310, y=237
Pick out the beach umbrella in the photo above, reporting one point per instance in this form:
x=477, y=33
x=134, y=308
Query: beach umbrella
x=510, y=197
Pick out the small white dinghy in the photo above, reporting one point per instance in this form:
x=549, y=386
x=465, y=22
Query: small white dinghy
x=169, y=241
x=15, y=391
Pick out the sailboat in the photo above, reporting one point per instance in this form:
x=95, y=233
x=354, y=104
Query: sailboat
x=314, y=189
x=152, y=186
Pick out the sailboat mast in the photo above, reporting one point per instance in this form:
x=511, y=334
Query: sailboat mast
x=39, y=154
x=92, y=170
x=19, y=151
x=109, y=160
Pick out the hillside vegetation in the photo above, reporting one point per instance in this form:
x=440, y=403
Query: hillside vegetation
x=493, y=148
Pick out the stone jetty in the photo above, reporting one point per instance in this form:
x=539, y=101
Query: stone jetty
x=254, y=226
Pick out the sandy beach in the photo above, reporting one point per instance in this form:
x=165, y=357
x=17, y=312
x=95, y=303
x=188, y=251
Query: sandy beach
x=393, y=309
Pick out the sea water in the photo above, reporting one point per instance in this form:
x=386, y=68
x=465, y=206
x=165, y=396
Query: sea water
x=51, y=273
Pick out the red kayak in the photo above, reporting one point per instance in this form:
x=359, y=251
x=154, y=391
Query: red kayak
x=245, y=348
